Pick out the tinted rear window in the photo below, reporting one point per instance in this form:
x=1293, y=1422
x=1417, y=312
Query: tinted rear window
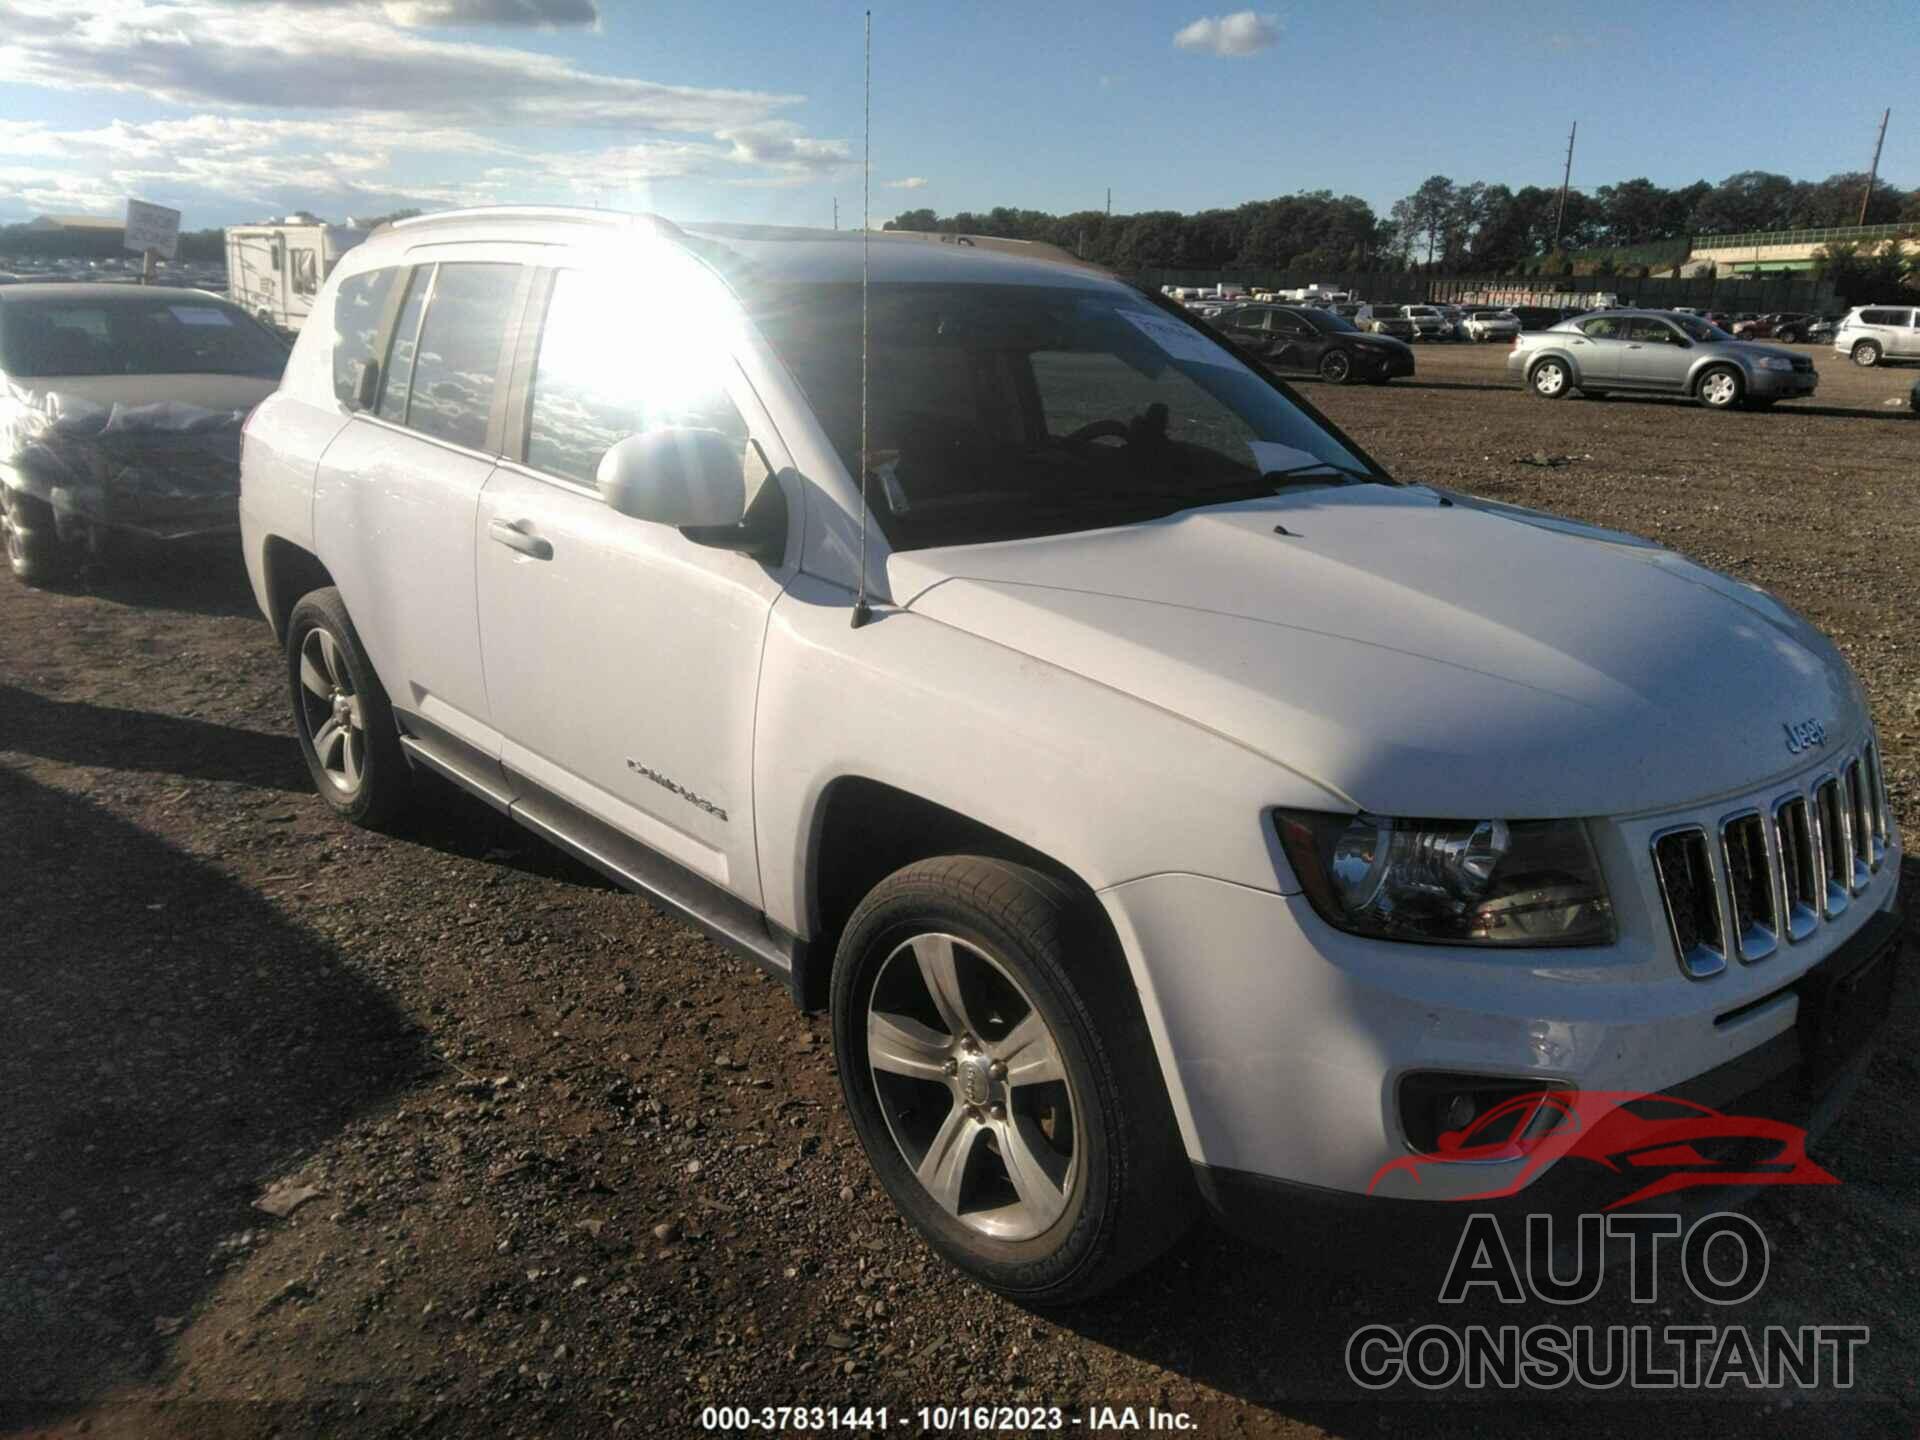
x=197, y=335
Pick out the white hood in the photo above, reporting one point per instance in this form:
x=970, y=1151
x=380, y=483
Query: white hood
x=1416, y=658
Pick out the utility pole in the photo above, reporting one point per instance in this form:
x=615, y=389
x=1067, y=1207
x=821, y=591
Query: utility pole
x=1873, y=171
x=836, y=212
x=1109, y=202
x=1566, y=177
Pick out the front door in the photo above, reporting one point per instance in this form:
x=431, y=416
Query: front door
x=623, y=659
x=1296, y=344
x=1657, y=356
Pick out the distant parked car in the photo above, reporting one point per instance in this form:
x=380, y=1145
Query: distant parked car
x=1491, y=325
x=1537, y=317
x=120, y=415
x=1384, y=320
x=1872, y=333
x=1456, y=319
x=1428, y=322
x=1785, y=325
x=1821, y=329
x=1659, y=352
x=1311, y=340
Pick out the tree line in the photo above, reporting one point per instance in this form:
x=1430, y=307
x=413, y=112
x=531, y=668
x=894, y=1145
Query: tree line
x=1444, y=224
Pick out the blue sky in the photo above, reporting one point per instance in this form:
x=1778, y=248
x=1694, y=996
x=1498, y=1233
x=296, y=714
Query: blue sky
x=235, y=109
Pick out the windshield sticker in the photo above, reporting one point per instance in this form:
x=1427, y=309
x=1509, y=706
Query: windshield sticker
x=1270, y=456
x=199, y=315
x=1182, y=342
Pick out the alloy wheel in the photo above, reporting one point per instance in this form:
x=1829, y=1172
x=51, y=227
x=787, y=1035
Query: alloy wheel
x=331, y=711
x=1720, y=389
x=973, y=1086
x=1336, y=366
x=1550, y=378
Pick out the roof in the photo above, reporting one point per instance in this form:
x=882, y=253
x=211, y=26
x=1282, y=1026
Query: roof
x=103, y=293
x=76, y=222
x=772, y=254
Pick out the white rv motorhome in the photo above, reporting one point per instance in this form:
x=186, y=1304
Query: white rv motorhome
x=275, y=269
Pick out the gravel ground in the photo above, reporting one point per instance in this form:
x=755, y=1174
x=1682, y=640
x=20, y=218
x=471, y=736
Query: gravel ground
x=547, y=1162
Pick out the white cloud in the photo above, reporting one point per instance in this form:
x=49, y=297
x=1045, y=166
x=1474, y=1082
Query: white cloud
x=543, y=13
x=1244, y=32
x=910, y=182
x=342, y=59
x=388, y=116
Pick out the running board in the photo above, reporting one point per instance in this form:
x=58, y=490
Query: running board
x=672, y=887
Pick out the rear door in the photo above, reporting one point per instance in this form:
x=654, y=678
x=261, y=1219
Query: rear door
x=1597, y=347
x=397, y=494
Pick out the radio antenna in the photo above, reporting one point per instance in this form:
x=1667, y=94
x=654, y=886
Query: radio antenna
x=863, y=612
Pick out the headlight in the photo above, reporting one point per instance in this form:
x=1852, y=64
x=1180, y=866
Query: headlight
x=1775, y=362
x=1451, y=882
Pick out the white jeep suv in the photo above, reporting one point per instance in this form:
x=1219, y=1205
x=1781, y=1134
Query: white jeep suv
x=1166, y=802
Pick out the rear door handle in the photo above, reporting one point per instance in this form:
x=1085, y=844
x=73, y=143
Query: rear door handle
x=514, y=538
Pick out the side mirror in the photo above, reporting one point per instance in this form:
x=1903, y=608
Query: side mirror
x=678, y=477
x=365, y=376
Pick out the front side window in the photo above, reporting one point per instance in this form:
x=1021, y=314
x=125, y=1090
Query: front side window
x=458, y=362
x=358, y=306
x=1076, y=408
x=1652, y=332
x=611, y=364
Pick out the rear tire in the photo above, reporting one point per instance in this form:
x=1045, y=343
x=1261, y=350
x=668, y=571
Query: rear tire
x=1550, y=380
x=1050, y=1188
x=342, y=716
x=35, y=552
x=1336, y=367
x=1867, y=354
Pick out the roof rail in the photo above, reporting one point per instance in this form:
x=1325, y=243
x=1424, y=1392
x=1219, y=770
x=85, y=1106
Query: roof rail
x=612, y=219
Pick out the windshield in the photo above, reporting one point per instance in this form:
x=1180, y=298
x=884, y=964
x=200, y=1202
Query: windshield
x=1001, y=411
x=194, y=336
x=1697, y=329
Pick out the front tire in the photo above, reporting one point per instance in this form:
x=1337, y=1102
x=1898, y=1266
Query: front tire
x=1720, y=388
x=1000, y=1076
x=1550, y=380
x=342, y=715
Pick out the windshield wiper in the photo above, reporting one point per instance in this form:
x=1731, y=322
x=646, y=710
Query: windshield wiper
x=1314, y=469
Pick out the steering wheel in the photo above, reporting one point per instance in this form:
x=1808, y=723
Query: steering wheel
x=1100, y=430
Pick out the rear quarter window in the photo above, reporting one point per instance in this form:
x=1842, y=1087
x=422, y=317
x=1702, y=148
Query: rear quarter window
x=358, y=307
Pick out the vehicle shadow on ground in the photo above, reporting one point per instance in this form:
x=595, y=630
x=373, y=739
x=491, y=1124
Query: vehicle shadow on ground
x=446, y=818
x=78, y=732
x=168, y=1046
x=201, y=579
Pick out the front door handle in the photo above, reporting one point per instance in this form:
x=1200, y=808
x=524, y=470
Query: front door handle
x=514, y=538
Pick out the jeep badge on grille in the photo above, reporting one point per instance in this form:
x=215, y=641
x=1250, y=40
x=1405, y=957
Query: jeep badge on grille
x=1804, y=735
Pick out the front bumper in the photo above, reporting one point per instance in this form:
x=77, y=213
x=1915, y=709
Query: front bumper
x=1783, y=384
x=1803, y=1076
x=1283, y=1042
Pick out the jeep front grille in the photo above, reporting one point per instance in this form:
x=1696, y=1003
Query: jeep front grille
x=1693, y=900
x=1750, y=884
x=1761, y=878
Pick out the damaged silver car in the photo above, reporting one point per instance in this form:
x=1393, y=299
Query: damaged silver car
x=120, y=416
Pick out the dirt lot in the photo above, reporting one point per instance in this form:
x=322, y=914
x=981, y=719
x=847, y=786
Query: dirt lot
x=576, y=1172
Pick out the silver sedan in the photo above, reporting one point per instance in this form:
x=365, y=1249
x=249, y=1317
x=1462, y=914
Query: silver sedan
x=1658, y=352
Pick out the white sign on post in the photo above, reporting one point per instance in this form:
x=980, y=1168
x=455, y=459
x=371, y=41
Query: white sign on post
x=152, y=227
